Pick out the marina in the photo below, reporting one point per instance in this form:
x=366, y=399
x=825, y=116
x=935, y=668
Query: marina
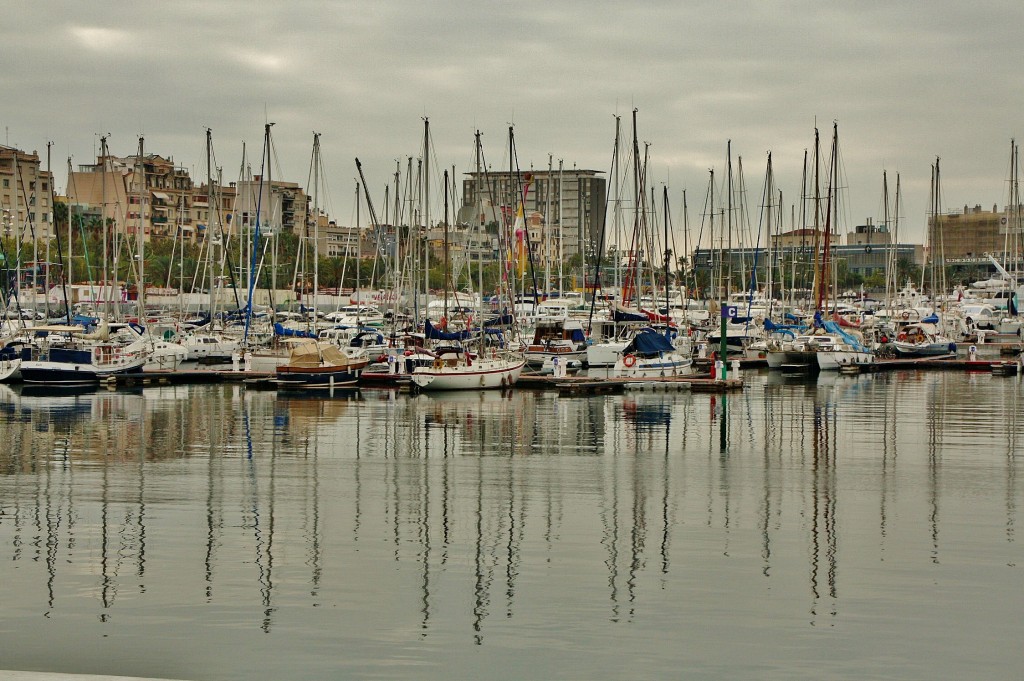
x=421, y=342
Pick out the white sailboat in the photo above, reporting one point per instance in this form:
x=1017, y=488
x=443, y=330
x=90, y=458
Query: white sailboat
x=459, y=369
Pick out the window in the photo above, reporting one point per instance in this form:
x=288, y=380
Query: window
x=7, y=184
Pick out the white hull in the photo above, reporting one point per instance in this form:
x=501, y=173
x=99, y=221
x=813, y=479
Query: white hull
x=209, y=347
x=10, y=370
x=536, y=358
x=927, y=349
x=165, y=357
x=833, y=360
x=605, y=353
x=70, y=374
x=777, y=358
x=482, y=374
x=653, y=367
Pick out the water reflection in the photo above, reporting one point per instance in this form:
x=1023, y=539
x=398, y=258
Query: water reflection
x=465, y=514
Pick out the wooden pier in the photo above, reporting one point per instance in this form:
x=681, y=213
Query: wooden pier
x=179, y=377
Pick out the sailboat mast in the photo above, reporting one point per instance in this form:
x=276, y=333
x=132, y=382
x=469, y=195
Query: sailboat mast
x=141, y=234
x=617, y=210
x=728, y=217
x=769, y=193
x=447, y=265
x=274, y=232
x=426, y=210
x=479, y=210
x=687, y=263
x=210, y=222
x=668, y=251
x=69, y=277
x=632, y=284
x=561, y=239
x=106, y=287
x=316, y=224
x=815, y=205
x=46, y=276
x=716, y=277
x=545, y=238
x=890, y=269
x=823, y=297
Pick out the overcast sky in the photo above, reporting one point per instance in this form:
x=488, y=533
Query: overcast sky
x=906, y=82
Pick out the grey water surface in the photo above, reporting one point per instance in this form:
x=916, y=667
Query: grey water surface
x=844, y=527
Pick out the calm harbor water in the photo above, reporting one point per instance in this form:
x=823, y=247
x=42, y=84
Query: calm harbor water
x=861, y=527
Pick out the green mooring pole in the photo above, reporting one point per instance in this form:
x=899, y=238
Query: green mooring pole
x=723, y=346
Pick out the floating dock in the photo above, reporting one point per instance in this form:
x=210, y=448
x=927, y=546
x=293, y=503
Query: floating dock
x=177, y=377
x=584, y=385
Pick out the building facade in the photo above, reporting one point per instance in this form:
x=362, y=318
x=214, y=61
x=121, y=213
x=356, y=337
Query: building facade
x=969, y=237
x=162, y=198
x=26, y=196
x=570, y=203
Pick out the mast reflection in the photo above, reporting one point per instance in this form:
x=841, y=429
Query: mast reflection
x=261, y=504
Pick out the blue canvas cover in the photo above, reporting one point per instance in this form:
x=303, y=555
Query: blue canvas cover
x=279, y=330
x=648, y=343
x=621, y=314
x=432, y=332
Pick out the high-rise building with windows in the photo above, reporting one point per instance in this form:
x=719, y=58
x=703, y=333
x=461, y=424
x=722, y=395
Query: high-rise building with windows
x=570, y=205
x=26, y=192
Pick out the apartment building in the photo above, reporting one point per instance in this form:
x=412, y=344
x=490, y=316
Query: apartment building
x=570, y=203
x=26, y=195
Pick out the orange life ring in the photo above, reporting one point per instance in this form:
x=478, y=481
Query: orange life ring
x=629, y=360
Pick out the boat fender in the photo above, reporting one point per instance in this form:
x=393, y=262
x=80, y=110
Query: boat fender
x=629, y=360
x=952, y=347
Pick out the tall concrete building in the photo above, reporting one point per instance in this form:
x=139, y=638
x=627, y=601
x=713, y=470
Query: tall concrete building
x=26, y=192
x=281, y=205
x=574, y=198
